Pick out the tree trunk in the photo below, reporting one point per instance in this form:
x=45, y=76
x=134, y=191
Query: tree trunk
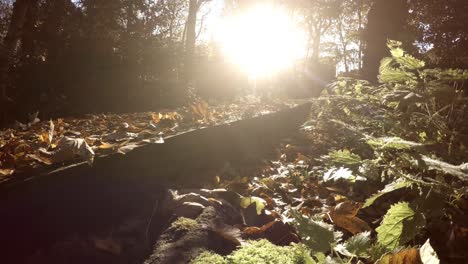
x=386, y=20
x=190, y=39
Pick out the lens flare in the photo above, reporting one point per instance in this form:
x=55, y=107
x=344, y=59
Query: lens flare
x=262, y=40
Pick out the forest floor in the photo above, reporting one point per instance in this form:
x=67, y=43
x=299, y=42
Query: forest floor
x=340, y=189
x=27, y=147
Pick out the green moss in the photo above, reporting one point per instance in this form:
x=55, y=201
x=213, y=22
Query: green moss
x=184, y=224
x=258, y=252
x=209, y=257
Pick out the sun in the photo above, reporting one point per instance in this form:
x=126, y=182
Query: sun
x=262, y=40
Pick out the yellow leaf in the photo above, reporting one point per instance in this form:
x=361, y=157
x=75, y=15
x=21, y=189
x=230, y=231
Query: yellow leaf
x=105, y=145
x=44, y=137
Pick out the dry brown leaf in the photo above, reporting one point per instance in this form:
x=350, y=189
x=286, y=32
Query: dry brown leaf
x=40, y=159
x=105, y=146
x=22, y=148
x=68, y=148
x=405, y=256
x=44, y=137
x=347, y=208
x=277, y=232
x=7, y=160
x=201, y=111
x=51, y=131
x=344, y=216
x=6, y=172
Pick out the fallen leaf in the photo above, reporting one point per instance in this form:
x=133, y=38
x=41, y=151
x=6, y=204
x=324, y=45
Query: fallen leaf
x=41, y=159
x=259, y=203
x=119, y=136
x=156, y=140
x=344, y=216
x=201, y=111
x=347, y=208
x=341, y=174
x=6, y=172
x=51, y=131
x=105, y=146
x=277, y=232
x=428, y=254
x=7, y=160
x=68, y=148
x=127, y=148
x=405, y=256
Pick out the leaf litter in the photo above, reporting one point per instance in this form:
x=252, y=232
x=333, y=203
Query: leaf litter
x=37, y=144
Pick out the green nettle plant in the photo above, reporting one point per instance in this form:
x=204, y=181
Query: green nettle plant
x=408, y=135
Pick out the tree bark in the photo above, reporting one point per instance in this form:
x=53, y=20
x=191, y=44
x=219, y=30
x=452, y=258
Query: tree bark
x=386, y=20
x=190, y=39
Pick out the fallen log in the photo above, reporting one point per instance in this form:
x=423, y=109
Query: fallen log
x=52, y=204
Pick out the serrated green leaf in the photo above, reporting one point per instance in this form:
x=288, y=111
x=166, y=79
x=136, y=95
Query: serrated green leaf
x=392, y=143
x=400, y=225
x=397, y=52
x=410, y=62
x=356, y=246
x=316, y=234
x=393, y=75
x=343, y=157
x=376, y=251
x=393, y=186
